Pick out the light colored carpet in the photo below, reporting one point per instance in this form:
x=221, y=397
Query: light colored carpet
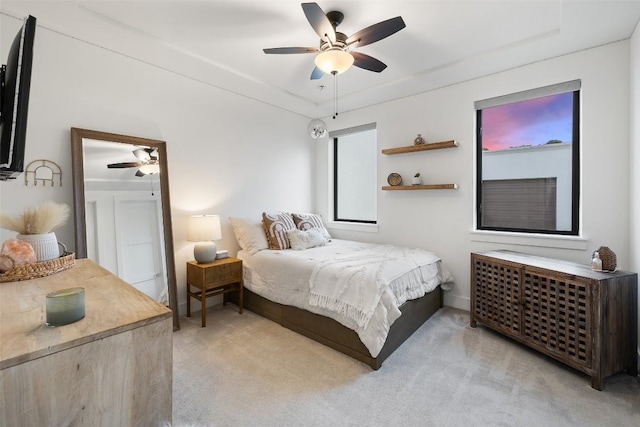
x=244, y=370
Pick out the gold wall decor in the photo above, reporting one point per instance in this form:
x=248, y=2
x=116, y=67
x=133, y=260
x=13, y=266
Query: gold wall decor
x=43, y=171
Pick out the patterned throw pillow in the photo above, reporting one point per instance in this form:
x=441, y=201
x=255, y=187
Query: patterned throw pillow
x=275, y=227
x=306, y=221
x=310, y=238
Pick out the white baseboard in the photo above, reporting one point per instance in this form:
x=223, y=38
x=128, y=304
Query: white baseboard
x=195, y=305
x=456, y=301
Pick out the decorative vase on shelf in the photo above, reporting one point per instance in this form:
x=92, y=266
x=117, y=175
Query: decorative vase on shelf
x=416, y=180
x=419, y=140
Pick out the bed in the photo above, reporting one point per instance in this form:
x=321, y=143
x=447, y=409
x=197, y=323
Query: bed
x=361, y=299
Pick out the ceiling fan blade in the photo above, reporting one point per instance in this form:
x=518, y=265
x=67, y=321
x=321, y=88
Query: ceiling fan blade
x=367, y=62
x=143, y=154
x=288, y=50
x=319, y=21
x=124, y=165
x=317, y=73
x=377, y=31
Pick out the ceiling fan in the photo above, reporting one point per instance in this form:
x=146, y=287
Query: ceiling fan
x=336, y=54
x=147, y=163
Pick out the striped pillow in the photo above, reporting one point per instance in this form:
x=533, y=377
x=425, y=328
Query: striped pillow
x=275, y=227
x=307, y=221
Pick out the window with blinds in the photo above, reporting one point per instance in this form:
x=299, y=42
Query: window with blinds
x=518, y=203
x=528, y=161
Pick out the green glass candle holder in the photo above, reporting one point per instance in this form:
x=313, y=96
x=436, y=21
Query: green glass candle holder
x=65, y=306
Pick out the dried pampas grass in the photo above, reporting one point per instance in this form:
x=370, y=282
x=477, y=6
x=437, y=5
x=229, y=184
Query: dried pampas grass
x=39, y=220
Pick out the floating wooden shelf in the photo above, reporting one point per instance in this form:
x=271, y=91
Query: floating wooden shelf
x=421, y=187
x=420, y=147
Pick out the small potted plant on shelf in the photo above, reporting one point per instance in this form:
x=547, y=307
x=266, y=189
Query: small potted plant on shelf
x=416, y=180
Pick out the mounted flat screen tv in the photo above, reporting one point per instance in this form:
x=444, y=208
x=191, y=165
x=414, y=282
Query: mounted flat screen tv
x=14, y=101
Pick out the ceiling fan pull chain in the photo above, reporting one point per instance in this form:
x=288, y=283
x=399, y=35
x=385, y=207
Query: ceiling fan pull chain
x=335, y=94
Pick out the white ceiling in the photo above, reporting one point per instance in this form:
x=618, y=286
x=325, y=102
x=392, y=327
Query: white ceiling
x=220, y=42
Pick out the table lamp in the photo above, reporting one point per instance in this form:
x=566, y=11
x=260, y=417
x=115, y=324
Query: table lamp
x=204, y=229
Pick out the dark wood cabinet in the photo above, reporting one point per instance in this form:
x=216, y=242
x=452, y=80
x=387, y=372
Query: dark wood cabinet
x=583, y=318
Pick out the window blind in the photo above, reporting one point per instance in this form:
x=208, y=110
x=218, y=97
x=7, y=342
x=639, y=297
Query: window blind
x=519, y=203
x=348, y=131
x=570, y=86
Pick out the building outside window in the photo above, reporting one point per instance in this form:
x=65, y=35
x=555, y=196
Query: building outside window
x=528, y=170
x=355, y=174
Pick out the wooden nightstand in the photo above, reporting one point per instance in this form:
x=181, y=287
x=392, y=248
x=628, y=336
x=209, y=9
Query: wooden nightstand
x=218, y=277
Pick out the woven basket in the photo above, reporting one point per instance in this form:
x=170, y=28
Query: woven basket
x=608, y=257
x=38, y=269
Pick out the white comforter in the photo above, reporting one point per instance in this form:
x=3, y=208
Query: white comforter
x=287, y=276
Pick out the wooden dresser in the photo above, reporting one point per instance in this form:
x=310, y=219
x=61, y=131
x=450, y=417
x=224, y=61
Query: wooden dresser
x=585, y=319
x=113, y=367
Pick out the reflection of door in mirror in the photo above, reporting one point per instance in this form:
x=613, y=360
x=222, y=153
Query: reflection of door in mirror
x=140, y=243
x=122, y=210
x=124, y=232
x=126, y=237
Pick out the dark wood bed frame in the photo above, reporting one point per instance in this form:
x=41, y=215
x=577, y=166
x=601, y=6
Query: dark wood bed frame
x=333, y=334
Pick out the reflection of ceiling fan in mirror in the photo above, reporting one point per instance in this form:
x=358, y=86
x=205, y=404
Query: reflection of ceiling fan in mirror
x=147, y=163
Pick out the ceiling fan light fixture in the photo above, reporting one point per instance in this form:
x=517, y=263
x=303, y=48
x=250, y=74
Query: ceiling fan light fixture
x=150, y=169
x=334, y=61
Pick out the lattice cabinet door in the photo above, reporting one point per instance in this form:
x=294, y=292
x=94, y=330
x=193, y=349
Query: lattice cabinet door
x=495, y=294
x=583, y=318
x=556, y=315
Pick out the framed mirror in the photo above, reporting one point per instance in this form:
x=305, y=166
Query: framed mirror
x=122, y=210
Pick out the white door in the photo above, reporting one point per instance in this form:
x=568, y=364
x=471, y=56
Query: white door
x=91, y=219
x=140, y=246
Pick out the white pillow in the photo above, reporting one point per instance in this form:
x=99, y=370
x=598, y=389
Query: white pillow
x=249, y=234
x=306, y=239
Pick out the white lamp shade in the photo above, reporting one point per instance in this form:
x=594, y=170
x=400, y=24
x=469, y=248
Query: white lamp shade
x=203, y=228
x=334, y=61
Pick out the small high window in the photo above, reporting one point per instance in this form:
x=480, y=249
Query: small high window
x=528, y=162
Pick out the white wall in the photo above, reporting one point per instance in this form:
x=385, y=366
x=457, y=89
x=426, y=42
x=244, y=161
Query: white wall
x=443, y=220
x=227, y=154
x=634, y=157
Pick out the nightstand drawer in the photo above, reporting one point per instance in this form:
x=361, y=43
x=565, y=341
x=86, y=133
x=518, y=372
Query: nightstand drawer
x=223, y=273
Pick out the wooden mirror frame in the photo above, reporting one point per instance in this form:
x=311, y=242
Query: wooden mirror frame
x=77, y=159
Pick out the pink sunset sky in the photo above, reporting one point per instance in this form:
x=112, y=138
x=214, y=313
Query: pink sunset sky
x=531, y=122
